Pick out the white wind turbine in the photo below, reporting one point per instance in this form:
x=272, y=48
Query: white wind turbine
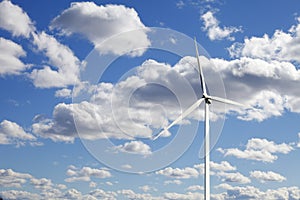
x=208, y=100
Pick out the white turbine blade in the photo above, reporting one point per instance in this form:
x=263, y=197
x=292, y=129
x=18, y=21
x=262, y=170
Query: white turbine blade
x=227, y=101
x=181, y=117
x=200, y=70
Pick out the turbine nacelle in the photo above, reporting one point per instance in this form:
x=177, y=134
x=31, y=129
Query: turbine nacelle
x=207, y=99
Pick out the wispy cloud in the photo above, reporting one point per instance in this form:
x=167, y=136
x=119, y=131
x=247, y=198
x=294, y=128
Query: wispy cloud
x=214, y=31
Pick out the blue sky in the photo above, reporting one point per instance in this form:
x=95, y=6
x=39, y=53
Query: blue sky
x=87, y=84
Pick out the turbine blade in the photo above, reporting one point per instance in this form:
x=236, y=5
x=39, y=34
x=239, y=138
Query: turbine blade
x=203, y=85
x=227, y=101
x=181, y=117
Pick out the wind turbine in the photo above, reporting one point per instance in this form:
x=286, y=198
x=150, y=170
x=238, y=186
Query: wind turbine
x=207, y=100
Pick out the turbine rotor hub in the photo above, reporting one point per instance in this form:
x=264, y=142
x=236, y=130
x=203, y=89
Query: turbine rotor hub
x=207, y=99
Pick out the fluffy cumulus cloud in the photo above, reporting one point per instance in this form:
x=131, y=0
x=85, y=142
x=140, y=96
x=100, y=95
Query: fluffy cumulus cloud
x=178, y=173
x=10, y=54
x=63, y=68
x=281, y=46
x=98, y=23
x=259, y=150
x=12, y=133
x=270, y=86
x=250, y=192
x=195, y=188
x=10, y=178
x=233, y=177
x=13, y=183
x=64, y=93
x=128, y=109
x=149, y=99
x=15, y=20
x=101, y=194
x=17, y=194
x=130, y=194
x=267, y=176
x=136, y=147
x=271, y=63
x=214, y=31
x=186, y=196
x=224, y=166
x=86, y=173
x=268, y=66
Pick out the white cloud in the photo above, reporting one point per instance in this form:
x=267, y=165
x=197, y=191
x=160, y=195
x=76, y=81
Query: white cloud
x=216, y=167
x=64, y=93
x=187, y=196
x=85, y=174
x=72, y=194
x=267, y=176
x=250, y=192
x=223, y=166
x=98, y=23
x=16, y=194
x=92, y=184
x=108, y=107
x=12, y=133
x=234, y=177
x=43, y=183
x=259, y=150
x=177, y=182
x=136, y=147
x=10, y=54
x=270, y=146
x=66, y=65
x=101, y=194
x=62, y=67
x=267, y=85
x=282, y=46
x=178, y=173
x=130, y=194
x=147, y=188
x=195, y=188
x=214, y=31
x=10, y=178
x=15, y=20
x=45, y=188
x=180, y=4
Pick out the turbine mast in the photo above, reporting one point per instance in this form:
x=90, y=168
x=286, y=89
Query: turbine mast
x=206, y=130
x=206, y=154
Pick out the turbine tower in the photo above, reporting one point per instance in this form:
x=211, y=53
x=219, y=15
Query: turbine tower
x=208, y=99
